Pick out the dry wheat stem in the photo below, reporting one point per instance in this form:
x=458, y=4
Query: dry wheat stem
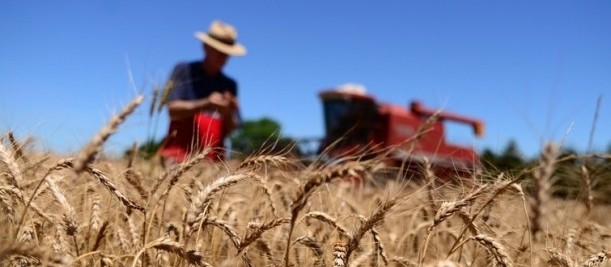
x=379, y=246
x=88, y=154
x=541, y=198
x=313, y=245
x=498, y=188
x=587, y=182
x=403, y=261
x=100, y=236
x=495, y=248
x=326, y=218
x=268, y=195
x=261, y=245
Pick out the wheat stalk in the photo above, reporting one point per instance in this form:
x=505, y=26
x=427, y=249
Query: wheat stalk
x=91, y=150
x=326, y=218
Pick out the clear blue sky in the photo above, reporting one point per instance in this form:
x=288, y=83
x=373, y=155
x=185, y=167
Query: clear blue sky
x=532, y=70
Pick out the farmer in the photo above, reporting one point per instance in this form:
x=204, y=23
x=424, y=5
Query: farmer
x=202, y=103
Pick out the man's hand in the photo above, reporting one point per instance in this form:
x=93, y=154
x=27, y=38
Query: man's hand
x=217, y=100
x=225, y=103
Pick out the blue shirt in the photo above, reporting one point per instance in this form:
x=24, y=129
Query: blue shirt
x=191, y=82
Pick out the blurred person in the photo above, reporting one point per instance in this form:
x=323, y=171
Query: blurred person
x=202, y=104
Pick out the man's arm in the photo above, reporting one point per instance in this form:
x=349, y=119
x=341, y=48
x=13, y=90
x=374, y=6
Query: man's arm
x=180, y=109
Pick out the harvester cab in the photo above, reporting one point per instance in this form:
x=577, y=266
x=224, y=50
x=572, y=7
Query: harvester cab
x=355, y=123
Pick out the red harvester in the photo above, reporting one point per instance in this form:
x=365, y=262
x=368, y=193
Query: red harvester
x=355, y=121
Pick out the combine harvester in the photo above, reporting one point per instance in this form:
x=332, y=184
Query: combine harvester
x=355, y=122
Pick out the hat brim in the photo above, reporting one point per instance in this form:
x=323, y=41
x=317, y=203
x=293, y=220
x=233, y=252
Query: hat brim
x=232, y=50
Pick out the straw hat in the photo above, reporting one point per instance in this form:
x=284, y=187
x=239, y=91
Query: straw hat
x=222, y=37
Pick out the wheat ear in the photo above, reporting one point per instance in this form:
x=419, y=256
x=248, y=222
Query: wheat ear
x=542, y=176
x=134, y=178
x=495, y=248
x=276, y=160
x=45, y=258
x=313, y=245
x=558, y=259
x=201, y=200
x=449, y=208
x=258, y=230
x=587, y=183
x=12, y=166
x=375, y=219
x=596, y=259
x=379, y=247
x=191, y=256
x=340, y=255
x=110, y=186
x=70, y=223
x=316, y=180
x=88, y=154
x=17, y=147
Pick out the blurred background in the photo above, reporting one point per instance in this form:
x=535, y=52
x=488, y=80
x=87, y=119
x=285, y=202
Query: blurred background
x=533, y=71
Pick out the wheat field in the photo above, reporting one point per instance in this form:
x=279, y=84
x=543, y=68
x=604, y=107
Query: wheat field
x=274, y=210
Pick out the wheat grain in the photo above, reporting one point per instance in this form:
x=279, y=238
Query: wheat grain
x=340, y=255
